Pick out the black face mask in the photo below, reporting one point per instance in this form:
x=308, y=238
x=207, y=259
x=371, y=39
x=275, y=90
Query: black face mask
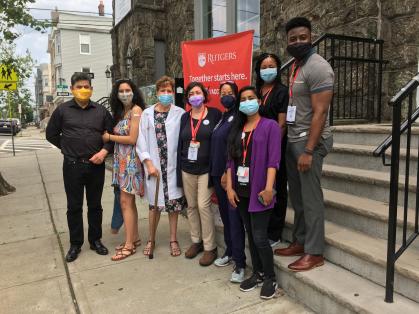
x=300, y=50
x=228, y=101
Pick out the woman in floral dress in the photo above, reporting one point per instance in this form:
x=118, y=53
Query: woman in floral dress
x=127, y=106
x=157, y=149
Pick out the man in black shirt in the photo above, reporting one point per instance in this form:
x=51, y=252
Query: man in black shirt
x=76, y=127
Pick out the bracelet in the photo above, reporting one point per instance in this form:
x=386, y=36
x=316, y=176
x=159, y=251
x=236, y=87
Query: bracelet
x=308, y=151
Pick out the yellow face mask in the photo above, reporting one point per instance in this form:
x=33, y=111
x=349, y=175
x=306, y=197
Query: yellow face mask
x=82, y=94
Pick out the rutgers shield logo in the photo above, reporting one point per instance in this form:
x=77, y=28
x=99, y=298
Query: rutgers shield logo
x=202, y=59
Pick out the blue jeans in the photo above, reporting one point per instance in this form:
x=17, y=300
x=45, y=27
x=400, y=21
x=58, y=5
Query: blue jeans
x=117, y=219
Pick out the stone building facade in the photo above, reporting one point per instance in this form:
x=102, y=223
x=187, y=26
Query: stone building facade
x=152, y=23
x=394, y=21
x=171, y=22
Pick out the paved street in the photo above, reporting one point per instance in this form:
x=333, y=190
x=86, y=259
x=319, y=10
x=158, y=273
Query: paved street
x=35, y=278
x=27, y=140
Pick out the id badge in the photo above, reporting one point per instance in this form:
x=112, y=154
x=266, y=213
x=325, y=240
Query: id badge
x=193, y=151
x=243, y=174
x=291, y=112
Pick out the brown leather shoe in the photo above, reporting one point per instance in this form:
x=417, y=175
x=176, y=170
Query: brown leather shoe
x=194, y=250
x=307, y=262
x=294, y=249
x=208, y=258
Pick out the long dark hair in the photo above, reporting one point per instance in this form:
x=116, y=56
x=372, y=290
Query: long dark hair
x=259, y=81
x=117, y=107
x=234, y=144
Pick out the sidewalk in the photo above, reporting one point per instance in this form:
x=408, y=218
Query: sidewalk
x=35, y=278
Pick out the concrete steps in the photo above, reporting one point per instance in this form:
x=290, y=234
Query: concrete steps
x=366, y=256
x=365, y=183
x=356, y=192
x=371, y=135
x=332, y=289
x=360, y=157
x=365, y=215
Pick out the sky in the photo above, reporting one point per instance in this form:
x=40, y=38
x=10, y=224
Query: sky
x=36, y=42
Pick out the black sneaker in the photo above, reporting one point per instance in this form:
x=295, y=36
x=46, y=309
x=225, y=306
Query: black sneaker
x=251, y=283
x=268, y=289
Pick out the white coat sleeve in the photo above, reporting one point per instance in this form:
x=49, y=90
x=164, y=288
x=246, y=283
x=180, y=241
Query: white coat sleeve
x=143, y=143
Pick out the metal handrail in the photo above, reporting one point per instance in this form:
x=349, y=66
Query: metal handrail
x=393, y=141
x=288, y=64
x=396, y=101
x=363, y=56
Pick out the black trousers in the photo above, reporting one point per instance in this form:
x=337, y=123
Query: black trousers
x=277, y=221
x=77, y=177
x=257, y=234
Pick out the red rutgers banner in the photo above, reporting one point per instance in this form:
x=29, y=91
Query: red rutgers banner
x=216, y=60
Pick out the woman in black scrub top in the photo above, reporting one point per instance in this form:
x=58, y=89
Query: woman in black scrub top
x=274, y=102
x=193, y=168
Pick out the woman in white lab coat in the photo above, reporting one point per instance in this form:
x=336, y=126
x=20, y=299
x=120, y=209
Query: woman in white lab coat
x=157, y=149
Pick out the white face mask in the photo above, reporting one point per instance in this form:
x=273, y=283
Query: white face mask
x=126, y=98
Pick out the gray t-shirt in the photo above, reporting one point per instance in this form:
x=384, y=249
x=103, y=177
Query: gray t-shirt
x=315, y=75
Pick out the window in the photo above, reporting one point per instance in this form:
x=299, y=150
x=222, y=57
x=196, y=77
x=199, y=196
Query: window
x=217, y=18
x=46, y=82
x=248, y=17
x=85, y=69
x=58, y=44
x=221, y=17
x=84, y=44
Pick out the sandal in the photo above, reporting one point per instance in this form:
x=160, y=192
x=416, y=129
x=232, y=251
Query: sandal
x=122, y=245
x=149, y=248
x=121, y=254
x=174, y=249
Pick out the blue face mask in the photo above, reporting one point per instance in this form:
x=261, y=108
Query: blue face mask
x=249, y=107
x=268, y=75
x=166, y=99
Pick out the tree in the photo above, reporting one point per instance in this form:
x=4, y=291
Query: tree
x=23, y=66
x=14, y=13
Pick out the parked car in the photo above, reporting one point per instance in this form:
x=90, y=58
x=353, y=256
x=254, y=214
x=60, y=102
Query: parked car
x=6, y=127
x=18, y=124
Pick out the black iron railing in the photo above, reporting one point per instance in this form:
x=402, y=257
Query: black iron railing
x=358, y=66
x=400, y=131
x=104, y=101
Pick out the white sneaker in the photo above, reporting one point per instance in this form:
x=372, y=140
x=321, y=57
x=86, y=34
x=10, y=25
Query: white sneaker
x=223, y=261
x=238, y=275
x=274, y=243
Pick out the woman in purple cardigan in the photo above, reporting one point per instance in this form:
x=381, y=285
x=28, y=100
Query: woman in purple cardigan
x=254, y=146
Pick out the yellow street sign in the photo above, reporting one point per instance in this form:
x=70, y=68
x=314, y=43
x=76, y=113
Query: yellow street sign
x=8, y=86
x=7, y=74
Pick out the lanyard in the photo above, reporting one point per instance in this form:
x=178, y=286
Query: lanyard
x=246, y=147
x=292, y=79
x=247, y=144
x=265, y=98
x=194, y=130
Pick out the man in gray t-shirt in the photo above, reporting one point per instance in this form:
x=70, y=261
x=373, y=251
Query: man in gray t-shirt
x=315, y=75
x=309, y=141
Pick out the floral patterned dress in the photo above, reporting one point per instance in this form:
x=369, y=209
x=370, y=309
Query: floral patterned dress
x=128, y=173
x=160, y=127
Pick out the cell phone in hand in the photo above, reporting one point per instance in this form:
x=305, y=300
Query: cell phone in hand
x=260, y=198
